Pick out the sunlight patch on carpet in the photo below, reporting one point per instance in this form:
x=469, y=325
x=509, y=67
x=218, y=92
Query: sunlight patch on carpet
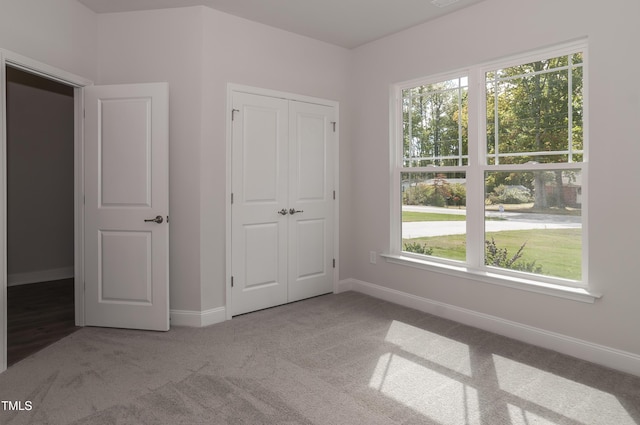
x=448, y=401
x=559, y=395
x=430, y=346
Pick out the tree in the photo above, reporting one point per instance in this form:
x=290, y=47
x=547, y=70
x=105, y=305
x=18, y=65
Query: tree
x=535, y=111
x=435, y=124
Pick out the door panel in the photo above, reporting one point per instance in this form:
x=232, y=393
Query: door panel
x=310, y=150
x=262, y=259
x=259, y=184
x=310, y=245
x=126, y=186
x=262, y=152
x=128, y=145
x=118, y=284
x=311, y=192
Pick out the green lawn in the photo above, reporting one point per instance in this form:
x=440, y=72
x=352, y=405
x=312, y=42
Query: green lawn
x=558, y=251
x=408, y=216
x=412, y=216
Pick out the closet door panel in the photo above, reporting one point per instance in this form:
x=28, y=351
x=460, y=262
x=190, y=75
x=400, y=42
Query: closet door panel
x=260, y=187
x=311, y=144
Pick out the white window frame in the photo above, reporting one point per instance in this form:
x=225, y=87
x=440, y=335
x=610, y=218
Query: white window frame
x=474, y=267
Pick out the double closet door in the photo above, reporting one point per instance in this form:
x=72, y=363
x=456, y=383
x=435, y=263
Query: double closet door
x=283, y=201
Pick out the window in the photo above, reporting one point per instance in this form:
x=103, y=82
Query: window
x=490, y=169
x=434, y=135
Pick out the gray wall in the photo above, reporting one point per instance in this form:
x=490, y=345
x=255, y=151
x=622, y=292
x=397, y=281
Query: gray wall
x=202, y=52
x=40, y=169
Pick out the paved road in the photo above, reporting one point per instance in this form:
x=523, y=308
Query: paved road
x=510, y=221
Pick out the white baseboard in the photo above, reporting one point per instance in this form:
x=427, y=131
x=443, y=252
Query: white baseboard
x=585, y=350
x=197, y=319
x=14, y=279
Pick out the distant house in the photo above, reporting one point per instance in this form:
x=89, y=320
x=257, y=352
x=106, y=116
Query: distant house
x=571, y=190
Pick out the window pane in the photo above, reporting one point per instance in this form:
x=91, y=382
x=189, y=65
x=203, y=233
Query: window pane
x=576, y=58
x=434, y=214
x=435, y=124
x=534, y=112
x=533, y=222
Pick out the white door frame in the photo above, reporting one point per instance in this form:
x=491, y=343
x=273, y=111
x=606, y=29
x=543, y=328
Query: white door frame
x=23, y=63
x=231, y=88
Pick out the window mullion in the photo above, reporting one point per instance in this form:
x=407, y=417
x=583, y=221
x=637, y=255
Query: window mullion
x=475, y=179
x=397, y=161
x=570, y=108
x=460, y=135
x=496, y=124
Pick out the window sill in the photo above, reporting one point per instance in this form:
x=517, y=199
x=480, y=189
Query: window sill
x=560, y=291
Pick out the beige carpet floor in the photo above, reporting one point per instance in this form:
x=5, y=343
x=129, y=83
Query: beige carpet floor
x=337, y=359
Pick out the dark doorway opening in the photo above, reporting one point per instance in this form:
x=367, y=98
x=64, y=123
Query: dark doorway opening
x=40, y=212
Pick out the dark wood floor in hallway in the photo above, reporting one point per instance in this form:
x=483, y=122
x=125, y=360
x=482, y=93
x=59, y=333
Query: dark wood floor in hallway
x=38, y=315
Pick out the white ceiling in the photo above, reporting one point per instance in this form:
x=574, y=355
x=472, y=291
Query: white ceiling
x=347, y=23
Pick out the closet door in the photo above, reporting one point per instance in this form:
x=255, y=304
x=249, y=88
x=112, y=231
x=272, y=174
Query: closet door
x=259, y=222
x=311, y=141
x=282, y=210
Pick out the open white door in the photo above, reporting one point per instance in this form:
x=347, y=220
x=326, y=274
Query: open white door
x=126, y=206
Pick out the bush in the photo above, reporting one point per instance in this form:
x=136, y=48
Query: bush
x=415, y=195
x=499, y=257
x=418, y=248
x=458, y=194
x=423, y=194
x=509, y=195
x=437, y=200
x=438, y=194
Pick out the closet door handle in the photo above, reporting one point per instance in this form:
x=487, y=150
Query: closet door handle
x=293, y=211
x=158, y=219
x=283, y=211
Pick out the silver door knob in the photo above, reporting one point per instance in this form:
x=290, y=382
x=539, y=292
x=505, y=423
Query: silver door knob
x=292, y=211
x=158, y=219
x=283, y=211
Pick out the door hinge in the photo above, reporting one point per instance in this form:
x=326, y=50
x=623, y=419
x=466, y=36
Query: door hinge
x=233, y=113
x=231, y=198
x=334, y=195
x=232, y=281
x=334, y=263
x=334, y=125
